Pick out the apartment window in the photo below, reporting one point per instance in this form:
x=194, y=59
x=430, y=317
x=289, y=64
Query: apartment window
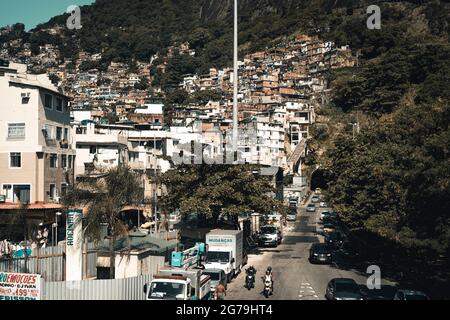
x=52, y=192
x=63, y=161
x=17, y=193
x=48, y=101
x=59, y=133
x=133, y=156
x=25, y=100
x=66, y=134
x=16, y=131
x=63, y=189
x=59, y=105
x=21, y=193
x=53, y=160
x=70, y=162
x=49, y=132
x=15, y=160
x=93, y=149
x=8, y=192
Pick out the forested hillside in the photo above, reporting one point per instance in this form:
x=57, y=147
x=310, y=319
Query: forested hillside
x=391, y=184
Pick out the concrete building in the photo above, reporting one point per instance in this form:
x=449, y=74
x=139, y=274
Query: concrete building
x=36, y=155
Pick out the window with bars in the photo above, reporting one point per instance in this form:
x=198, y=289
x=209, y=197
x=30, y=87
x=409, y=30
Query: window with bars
x=52, y=192
x=64, y=161
x=15, y=160
x=16, y=131
x=53, y=160
x=63, y=189
x=59, y=133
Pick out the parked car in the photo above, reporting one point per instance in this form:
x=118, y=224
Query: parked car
x=217, y=276
x=404, y=294
x=292, y=215
x=323, y=204
x=318, y=191
x=334, y=239
x=328, y=228
x=343, y=289
x=311, y=207
x=320, y=253
x=329, y=220
x=269, y=235
x=315, y=199
x=328, y=214
x=384, y=293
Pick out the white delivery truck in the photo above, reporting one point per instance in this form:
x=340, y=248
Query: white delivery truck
x=225, y=250
x=179, y=284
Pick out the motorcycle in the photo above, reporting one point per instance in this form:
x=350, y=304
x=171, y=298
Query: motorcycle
x=267, y=286
x=250, y=280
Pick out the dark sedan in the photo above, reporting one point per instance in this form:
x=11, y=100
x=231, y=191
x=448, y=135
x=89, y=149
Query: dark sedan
x=320, y=253
x=384, y=293
x=343, y=289
x=334, y=240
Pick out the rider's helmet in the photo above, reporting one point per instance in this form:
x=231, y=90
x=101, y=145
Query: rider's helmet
x=269, y=269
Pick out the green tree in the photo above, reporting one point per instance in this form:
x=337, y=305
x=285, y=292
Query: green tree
x=215, y=192
x=105, y=198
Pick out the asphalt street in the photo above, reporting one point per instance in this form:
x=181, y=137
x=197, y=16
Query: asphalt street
x=295, y=278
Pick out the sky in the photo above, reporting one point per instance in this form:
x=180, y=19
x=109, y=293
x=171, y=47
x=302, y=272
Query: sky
x=33, y=12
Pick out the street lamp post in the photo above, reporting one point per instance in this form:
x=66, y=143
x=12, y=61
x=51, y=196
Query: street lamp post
x=235, y=79
x=156, y=184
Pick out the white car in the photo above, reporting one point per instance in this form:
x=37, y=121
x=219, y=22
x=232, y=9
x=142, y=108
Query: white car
x=291, y=216
x=323, y=204
x=318, y=191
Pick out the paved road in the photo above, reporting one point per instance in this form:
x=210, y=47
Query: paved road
x=295, y=278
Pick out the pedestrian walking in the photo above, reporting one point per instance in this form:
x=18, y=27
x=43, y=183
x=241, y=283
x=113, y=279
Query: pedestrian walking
x=220, y=292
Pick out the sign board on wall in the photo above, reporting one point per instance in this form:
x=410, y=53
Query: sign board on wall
x=74, y=245
x=20, y=286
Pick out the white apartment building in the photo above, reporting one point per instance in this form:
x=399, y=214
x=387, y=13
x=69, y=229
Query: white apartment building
x=98, y=150
x=36, y=155
x=299, y=117
x=263, y=142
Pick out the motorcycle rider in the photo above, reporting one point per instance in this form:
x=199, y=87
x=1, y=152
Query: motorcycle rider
x=251, y=270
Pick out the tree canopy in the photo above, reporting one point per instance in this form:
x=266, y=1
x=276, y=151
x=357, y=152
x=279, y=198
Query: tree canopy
x=217, y=192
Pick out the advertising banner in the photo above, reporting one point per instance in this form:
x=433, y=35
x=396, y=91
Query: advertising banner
x=20, y=286
x=74, y=244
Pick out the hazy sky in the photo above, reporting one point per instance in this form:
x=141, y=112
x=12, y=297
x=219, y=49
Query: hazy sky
x=33, y=12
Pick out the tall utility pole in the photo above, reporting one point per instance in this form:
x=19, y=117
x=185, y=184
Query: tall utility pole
x=156, y=183
x=235, y=79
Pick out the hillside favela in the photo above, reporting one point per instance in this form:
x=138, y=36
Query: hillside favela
x=225, y=150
